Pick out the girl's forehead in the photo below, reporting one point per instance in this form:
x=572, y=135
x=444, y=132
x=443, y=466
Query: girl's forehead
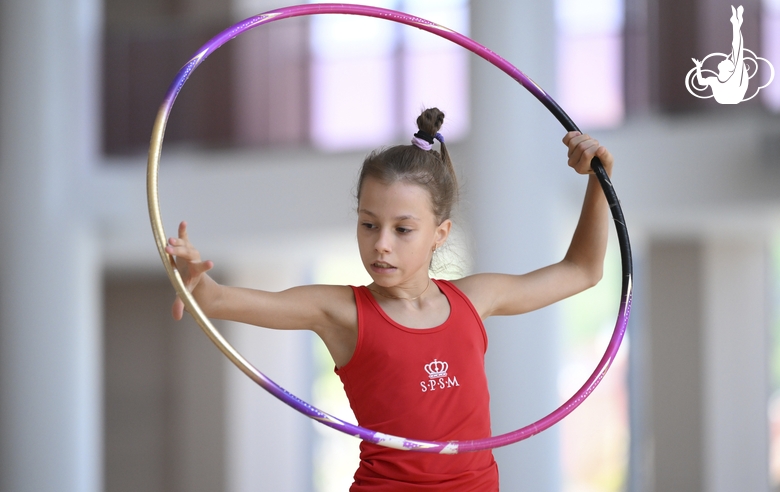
x=379, y=197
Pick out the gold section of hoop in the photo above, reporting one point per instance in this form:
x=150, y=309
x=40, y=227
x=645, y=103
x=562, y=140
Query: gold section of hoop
x=155, y=217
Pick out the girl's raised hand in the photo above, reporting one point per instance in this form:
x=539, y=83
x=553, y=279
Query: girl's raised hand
x=582, y=149
x=189, y=264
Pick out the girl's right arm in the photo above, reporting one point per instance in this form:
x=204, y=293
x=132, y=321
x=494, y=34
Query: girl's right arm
x=581, y=268
x=328, y=310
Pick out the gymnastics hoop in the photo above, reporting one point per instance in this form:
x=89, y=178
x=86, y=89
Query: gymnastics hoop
x=301, y=406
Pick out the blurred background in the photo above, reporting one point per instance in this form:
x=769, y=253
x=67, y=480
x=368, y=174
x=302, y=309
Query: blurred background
x=101, y=390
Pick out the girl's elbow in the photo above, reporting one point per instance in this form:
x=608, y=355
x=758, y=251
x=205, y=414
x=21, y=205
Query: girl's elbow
x=594, y=277
x=586, y=275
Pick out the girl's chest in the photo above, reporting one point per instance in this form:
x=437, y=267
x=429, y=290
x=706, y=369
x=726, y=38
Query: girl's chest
x=407, y=316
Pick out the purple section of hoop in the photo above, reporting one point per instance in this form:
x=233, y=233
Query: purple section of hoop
x=362, y=10
x=329, y=420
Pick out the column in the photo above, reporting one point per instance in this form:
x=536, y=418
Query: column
x=736, y=364
x=50, y=417
x=707, y=364
x=269, y=445
x=674, y=332
x=513, y=168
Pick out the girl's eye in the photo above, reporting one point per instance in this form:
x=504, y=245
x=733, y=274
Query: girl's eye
x=367, y=225
x=403, y=230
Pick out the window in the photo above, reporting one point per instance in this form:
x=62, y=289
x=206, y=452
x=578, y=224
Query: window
x=371, y=78
x=590, y=61
x=335, y=81
x=144, y=45
x=770, y=49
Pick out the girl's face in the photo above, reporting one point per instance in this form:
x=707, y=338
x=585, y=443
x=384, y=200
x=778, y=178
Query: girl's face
x=397, y=231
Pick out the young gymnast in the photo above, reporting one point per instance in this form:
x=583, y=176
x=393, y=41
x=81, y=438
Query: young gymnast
x=410, y=349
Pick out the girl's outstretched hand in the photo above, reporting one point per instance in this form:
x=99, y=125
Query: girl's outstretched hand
x=582, y=149
x=189, y=264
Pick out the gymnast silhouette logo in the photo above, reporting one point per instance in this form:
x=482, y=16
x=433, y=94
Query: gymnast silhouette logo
x=730, y=84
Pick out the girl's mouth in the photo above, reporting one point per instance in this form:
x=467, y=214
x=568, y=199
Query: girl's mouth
x=382, y=267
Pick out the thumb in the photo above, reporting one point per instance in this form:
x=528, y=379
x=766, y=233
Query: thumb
x=197, y=270
x=202, y=267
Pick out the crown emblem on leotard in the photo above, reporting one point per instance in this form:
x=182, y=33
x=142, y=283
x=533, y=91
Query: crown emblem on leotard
x=436, y=369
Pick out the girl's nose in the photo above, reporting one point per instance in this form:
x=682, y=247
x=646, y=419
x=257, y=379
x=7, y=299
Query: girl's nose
x=383, y=242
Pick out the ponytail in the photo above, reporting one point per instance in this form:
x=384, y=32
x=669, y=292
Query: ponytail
x=418, y=164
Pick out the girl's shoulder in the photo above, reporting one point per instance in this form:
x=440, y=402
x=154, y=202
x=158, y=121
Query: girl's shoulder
x=480, y=288
x=338, y=326
x=342, y=292
x=473, y=282
x=340, y=303
x=321, y=306
x=334, y=296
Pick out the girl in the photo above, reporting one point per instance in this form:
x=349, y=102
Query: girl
x=410, y=349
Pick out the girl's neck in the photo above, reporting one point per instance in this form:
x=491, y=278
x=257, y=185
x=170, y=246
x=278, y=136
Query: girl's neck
x=398, y=295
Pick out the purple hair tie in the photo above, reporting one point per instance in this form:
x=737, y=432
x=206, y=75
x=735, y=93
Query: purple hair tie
x=424, y=140
x=419, y=142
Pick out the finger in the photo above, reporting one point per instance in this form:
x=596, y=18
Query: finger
x=178, y=309
x=180, y=243
x=183, y=251
x=587, y=161
x=574, y=138
x=569, y=136
x=588, y=153
x=183, y=230
x=576, y=142
x=578, y=147
x=606, y=158
x=582, y=159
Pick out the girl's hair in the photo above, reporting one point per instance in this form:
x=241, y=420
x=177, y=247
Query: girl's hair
x=427, y=168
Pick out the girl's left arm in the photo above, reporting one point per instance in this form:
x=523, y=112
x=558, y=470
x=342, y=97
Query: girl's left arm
x=582, y=266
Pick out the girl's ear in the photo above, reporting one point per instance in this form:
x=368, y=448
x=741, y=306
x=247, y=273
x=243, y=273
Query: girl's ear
x=442, y=233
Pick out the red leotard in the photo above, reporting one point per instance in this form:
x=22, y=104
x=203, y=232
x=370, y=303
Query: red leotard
x=427, y=384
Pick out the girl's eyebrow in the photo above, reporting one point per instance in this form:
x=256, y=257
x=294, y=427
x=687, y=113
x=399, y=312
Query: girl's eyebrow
x=400, y=217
